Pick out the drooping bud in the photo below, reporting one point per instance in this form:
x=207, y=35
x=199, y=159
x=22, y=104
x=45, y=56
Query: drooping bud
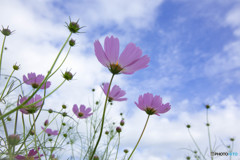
x=46, y=123
x=13, y=139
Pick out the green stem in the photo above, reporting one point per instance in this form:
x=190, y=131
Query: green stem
x=35, y=135
x=6, y=85
x=209, y=136
x=15, y=127
x=103, y=118
x=2, y=54
x=6, y=134
x=118, y=145
x=139, y=138
x=196, y=144
x=61, y=63
x=24, y=136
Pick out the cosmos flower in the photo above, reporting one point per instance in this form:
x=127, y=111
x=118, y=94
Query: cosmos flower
x=33, y=108
x=35, y=81
x=82, y=112
x=115, y=93
x=50, y=131
x=128, y=62
x=152, y=104
x=32, y=155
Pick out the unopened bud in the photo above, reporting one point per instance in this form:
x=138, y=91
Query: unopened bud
x=13, y=139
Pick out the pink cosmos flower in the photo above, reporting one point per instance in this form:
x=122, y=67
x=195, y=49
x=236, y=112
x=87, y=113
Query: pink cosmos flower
x=32, y=155
x=82, y=112
x=152, y=104
x=33, y=108
x=35, y=81
x=115, y=93
x=50, y=131
x=128, y=62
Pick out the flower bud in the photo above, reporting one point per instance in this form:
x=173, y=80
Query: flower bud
x=65, y=135
x=64, y=114
x=64, y=124
x=13, y=139
x=106, y=132
x=32, y=132
x=16, y=67
x=72, y=42
x=125, y=151
x=232, y=139
x=46, y=123
x=73, y=27
x=68, y=75
x=95, y=158
x=207, y=106
x=9, y=118
x=6, y=31
x=50, y=139
x=122, y=122
x=50, y=111
x=188, y=126
x=119, y=129
x=64, y=106
x=93, y=90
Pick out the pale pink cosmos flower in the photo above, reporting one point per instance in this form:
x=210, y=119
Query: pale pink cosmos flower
x=32, y=155
x=33, y=108
x=130, y=61
x=115, y=94
x=35, y=81
x=81, y=112
x=152, y=104
x=50, y=131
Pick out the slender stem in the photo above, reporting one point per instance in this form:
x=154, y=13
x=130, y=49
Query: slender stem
x=118, y=145
x=24, y=135
x=139, y=138
x=61, y=63
x=6, y=134
x=196, y=144
x=15, y=128
x=6, y=85
x=209, y=136
x=103, y=118
x=35, y=135
x=2, y=54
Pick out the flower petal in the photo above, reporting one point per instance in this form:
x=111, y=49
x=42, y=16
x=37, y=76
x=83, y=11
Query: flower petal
x=111, y=47
x=75, y=109
x=137, y=65
x=100, y=54
x=129, y=55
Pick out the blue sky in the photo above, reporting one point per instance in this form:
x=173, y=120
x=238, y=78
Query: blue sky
x=194, y=48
